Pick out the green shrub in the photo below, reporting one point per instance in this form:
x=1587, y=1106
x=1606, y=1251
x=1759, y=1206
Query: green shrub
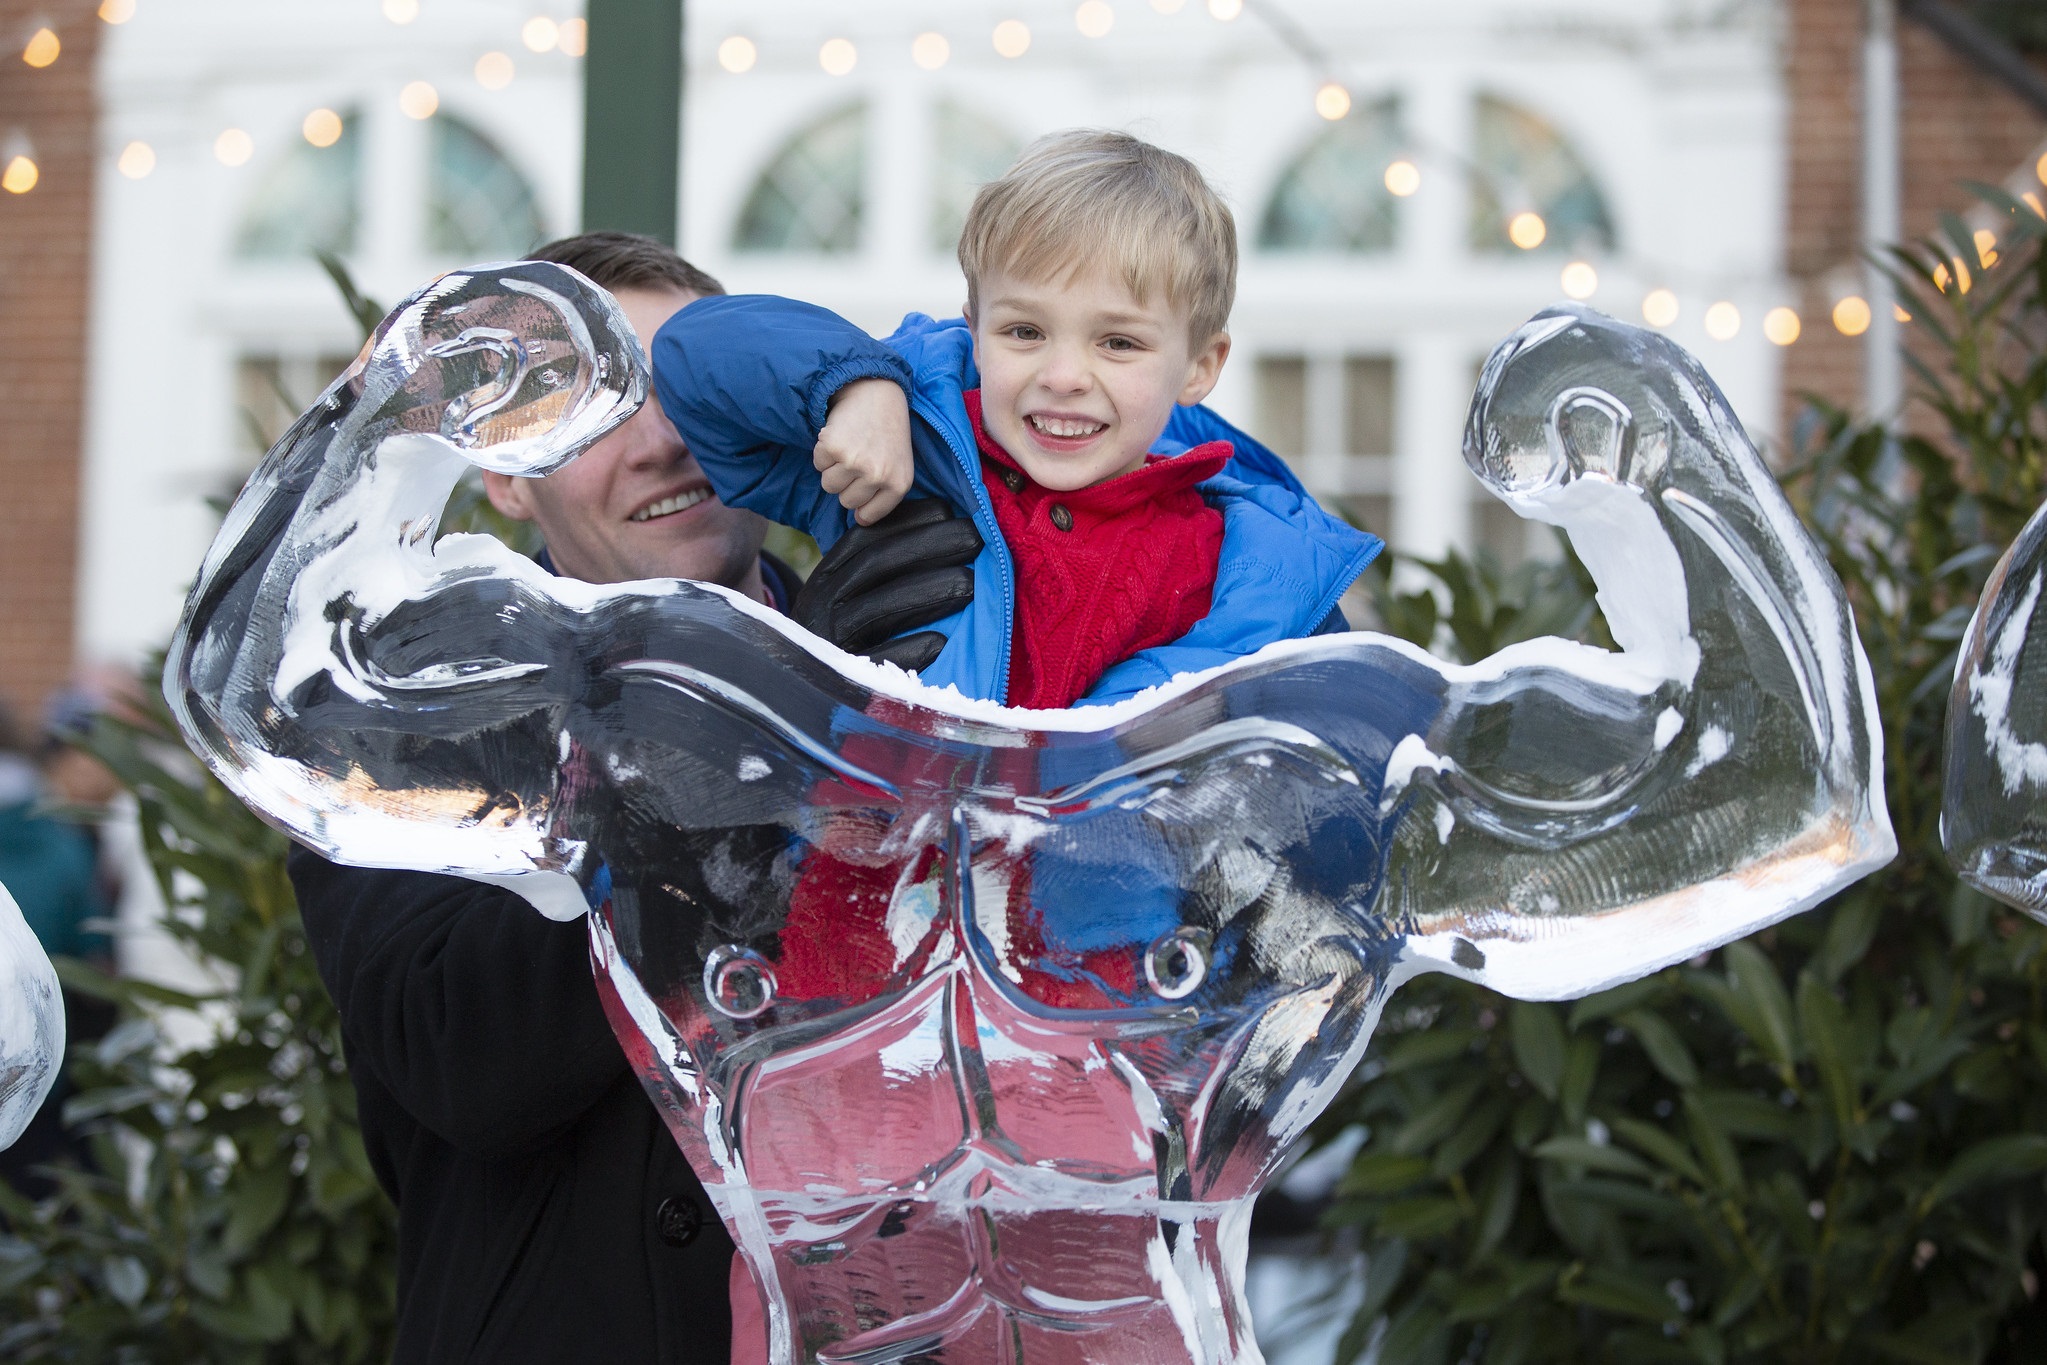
x=1822, y=1144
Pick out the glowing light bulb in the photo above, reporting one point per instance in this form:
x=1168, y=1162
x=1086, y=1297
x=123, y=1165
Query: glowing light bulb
x=1723, y=321
x=233, y=147
x=837, y=56
x=419, y=100
x=737, y=54
x=117, y=11
x=322, y=127
x=1851, y=316
x=1898, y=312
x=42, y=48
x=21, y=174
x=1403, y=178
x=1781, y=326
x=1579, y=280
x=2033, y=203
x=1094, y=18
x=930, y=51
x=540, y=33
x=575, y=37
x=137, y=160
x=1659, y=308
x=1012, y=38
x=494, y=71
x=401, y=11
x=1225, y=10
x=1527, y=230
x=1986, y=247
x=1332, y=101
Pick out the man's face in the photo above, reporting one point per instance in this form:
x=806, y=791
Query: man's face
x=636, y=505
x=1078, y=376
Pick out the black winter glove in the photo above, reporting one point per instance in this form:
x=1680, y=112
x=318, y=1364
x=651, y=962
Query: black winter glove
x=908, y=569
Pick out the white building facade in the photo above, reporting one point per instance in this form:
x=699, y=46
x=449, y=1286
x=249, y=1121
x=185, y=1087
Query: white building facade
x=1646, y=137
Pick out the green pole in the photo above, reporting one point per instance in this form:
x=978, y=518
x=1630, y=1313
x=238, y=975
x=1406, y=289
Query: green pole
x=632, y=117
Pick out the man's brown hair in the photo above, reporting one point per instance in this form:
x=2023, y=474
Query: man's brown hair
x=626, y=260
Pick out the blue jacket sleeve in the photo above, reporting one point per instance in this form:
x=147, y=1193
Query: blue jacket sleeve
x=748, y=380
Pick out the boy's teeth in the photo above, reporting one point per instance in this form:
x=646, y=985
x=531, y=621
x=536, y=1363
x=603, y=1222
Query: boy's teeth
x=674, y=504
x=1067, y=426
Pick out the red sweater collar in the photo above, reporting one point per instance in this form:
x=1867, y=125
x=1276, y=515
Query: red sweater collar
x=1160, y=474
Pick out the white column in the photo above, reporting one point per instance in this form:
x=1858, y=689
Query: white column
x=1325, y=468
x=1432, y=490
x=1883, y=368
x=899, y=150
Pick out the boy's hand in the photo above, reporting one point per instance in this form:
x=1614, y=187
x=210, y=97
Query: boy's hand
x=863, y=453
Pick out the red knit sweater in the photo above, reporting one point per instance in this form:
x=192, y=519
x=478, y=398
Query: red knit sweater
x=1104, y=572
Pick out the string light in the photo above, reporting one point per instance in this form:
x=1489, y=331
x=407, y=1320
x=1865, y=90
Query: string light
x=1781, y=326
x=1659, y=308
x=1225, y=10
x=322, y=127
x=1898, y=312
x=1986, y=247
x=233, y=147
x=737, y=55
x=1403, y=178
x=2033, y=203
x=494, y=71
x=42, y=48
x=1094, y=18
x=930, y=51
x=575, y=37
x=419, y=100
x=1012, y=38
x=837, y=56
x=1527, y=230
x=1723, y=321
x=137, y=159
x=21, y=174
x=401, y=11
x=540, y=33
x=1332, y=101
x=1852, y=316
x=1579, y=280
x=117, y=11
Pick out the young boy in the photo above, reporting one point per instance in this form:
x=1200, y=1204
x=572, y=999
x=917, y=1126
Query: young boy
x=1130, y=535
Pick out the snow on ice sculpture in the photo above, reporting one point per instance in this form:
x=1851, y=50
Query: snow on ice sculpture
x=31, y=1022
x=1993, y=817
x=984, y=1027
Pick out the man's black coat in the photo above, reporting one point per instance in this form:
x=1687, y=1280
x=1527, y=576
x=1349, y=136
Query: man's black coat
x=544, y=1213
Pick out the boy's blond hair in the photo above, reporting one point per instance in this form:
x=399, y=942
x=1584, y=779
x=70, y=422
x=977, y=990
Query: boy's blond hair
x=1086, y=197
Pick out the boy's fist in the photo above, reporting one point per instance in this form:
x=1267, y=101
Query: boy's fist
x=863, y=453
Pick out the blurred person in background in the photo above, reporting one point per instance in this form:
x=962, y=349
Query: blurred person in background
x=544, y=1213
x=51, y=867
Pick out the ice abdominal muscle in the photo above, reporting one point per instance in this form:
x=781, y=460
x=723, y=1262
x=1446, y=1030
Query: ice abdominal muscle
x=985, y=1027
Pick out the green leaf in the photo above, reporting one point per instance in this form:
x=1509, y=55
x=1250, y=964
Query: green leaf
x=1759, y=1005
x=1375, y=1173
x=257, y=1201
x=1826, y=1028
x=1538, y=1041
x=1575, y=1151
x=2006, y=1158
x=1653, y=1141
x=1666, y=1051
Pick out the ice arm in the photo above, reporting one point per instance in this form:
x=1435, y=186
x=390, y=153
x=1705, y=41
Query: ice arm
x=1994, y=807
x=360, y=685
x=1576, y=817
x=748, y=381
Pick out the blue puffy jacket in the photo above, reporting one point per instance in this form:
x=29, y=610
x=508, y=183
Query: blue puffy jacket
x=748, y=381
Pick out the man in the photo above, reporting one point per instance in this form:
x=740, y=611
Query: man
x=545, y=1215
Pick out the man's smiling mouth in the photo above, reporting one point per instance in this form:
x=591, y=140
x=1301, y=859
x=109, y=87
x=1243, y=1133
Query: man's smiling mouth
x=1065, y=428
x=669, y=506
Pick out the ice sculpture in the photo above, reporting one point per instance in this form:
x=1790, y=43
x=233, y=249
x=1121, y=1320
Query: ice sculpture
x=31, y=1022
x=984, y=1027
x=1993, y=817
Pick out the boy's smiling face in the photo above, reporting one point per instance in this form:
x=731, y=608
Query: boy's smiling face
x=1078, y=376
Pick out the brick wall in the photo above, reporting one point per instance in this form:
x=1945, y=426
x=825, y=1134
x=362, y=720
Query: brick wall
x=1957, y=124
x=45, y=257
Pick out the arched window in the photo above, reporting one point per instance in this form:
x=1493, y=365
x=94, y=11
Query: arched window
x=811, y=195
x=1334, y=196
x=970, y=151
x=478, y=206
x=310, y=200
x=1521, y=164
